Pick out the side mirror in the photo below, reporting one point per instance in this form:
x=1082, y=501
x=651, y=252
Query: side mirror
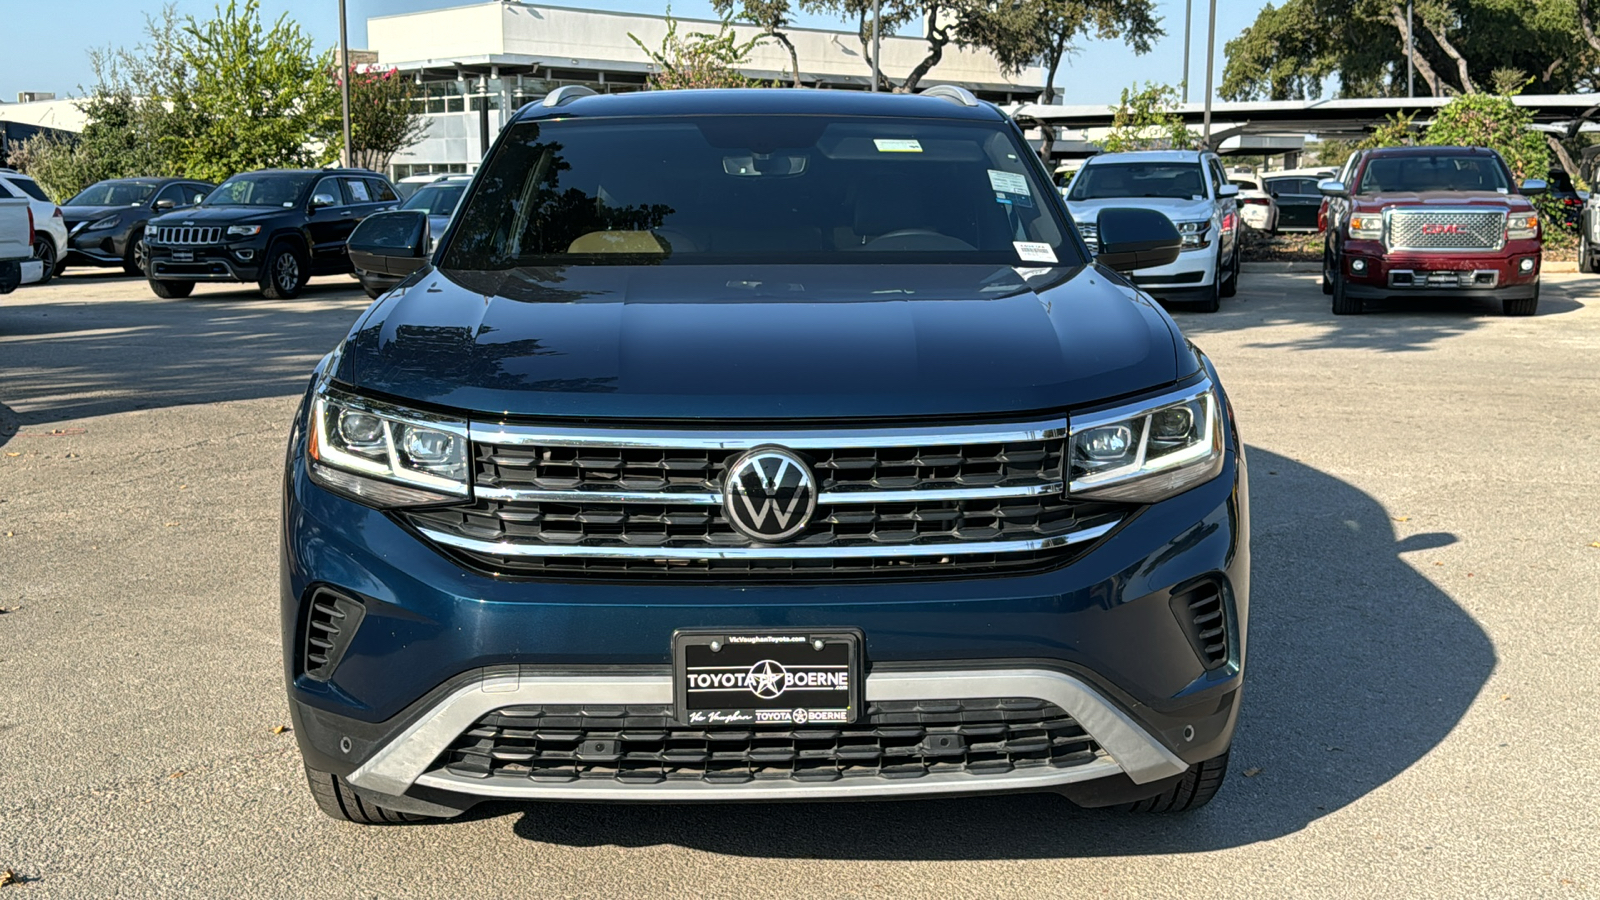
x=1228, y=190
x=1133, y=239
x=1332, y=188
x=1534, y=186
x=318, y=201
x=165, y=204
x=390, y=243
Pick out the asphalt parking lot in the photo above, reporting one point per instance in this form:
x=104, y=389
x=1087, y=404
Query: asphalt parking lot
x=1424, y=661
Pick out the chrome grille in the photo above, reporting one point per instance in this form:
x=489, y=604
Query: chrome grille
x=599, y=502
x=645, y=745
x=1427, y=229
x=1091, y=235
x=186, y=234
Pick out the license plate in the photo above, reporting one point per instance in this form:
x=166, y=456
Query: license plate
x=779, y=677
x=183, y=256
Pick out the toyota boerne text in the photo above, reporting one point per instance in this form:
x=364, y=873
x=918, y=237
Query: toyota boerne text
x=713, y=455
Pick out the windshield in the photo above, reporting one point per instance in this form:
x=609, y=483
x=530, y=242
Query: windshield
x=1108, y=181
x=771, y=189
x=113, y=193
x=436, y=199
x=1444, y=172
x=260, y=189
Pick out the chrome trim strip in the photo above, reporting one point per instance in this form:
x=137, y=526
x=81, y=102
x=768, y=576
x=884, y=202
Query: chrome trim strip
x=776, y=551
x=688, y=498
x=819, y=439
x=1129, y=747
x=1140, y=407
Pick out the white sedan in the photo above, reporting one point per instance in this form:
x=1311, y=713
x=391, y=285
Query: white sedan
x=1256, y=206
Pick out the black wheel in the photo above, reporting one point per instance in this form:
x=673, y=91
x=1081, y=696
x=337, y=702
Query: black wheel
x=339, y=801
x=1232, y=286
x=171, y=290
x=284, y=272
x=1523, y=307
x=1586, y=260
x=1343, y=303
x=1193, y=791
x=1212, y=299
x=45, y=251
x=133, y=261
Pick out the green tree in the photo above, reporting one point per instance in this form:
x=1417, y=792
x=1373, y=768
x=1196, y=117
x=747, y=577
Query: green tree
x=699, y=59
x=1489, y=120
x=771, y=16
x=383, y=117
x=1043, y=32
x=1145, y=120
x=255, y=97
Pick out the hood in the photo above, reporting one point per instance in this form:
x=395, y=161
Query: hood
x=1489, y=199
x=231, y=215
x=776, y=342
x=1177, y=209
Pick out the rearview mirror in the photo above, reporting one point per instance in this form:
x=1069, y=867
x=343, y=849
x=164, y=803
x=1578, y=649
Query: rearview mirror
x=318, y=201
x=1332, y=188
x=1228, y=190
x=390, y=243
x=1133, y=239
x=165, y=204
x=1534, y=186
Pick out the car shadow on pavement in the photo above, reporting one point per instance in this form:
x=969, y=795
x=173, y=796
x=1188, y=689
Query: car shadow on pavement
x=1358, y=667
x=1394, y=324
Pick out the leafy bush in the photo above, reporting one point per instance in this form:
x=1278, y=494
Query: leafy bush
x=1144, y=120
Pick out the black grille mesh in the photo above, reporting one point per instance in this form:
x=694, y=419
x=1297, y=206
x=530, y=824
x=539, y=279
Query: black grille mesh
x=643, y=745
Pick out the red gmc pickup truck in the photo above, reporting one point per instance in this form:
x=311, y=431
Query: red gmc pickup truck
x=1431, y=221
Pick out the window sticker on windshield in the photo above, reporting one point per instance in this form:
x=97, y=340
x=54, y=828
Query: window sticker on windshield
x=1035, y=251
x=1010, y=188
x=895, y=145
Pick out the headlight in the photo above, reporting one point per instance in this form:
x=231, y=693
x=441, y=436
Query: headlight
x=107, y=222
x=1194, y=234
x=243, y=230
x=383, y=454
x=1522, y=227
x=1149, y=452
x=1366, y=227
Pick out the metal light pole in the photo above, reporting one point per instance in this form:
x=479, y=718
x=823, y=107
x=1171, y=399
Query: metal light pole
x=1411, y=71
x=1188, y=15
x=1211, y=56
x=346, y=156
x=877, y=13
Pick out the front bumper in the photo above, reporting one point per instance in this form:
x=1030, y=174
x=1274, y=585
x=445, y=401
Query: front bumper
x=102, y=247
x=217, y=263
x=439, y=647
x=1192, y=274
x=1372, y=272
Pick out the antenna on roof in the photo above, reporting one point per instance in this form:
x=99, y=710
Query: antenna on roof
x=952, y=93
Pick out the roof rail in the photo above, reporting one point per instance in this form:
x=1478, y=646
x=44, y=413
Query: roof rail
x=952, y=93
x=567, y=92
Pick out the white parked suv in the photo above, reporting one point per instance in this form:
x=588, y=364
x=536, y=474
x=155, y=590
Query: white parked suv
x=49, y=228
x=1189, y=187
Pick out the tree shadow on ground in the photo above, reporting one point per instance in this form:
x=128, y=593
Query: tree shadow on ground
x=69, y=359
x=1358, y=667
x=1392, y=325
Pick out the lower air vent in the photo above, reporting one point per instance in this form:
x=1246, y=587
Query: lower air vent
x=330, y=624
x=1203, y=615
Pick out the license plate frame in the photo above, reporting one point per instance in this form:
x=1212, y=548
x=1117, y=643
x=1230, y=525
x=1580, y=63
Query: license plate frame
x=769, y=677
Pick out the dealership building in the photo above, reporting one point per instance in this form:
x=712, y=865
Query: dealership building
x=476, y=65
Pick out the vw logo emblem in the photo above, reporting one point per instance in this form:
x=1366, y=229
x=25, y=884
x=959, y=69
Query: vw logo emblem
x=770, y=495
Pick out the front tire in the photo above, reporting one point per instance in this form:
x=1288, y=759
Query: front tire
x=1193, y=791
x=339, y=801
x=171, y=290
x=133, y=262
x=1327, y=269
x=1522, y=307
x=1343, y=303
x=1586, y=260
x=1232, y=286
x=284, y=272
x=44, y=250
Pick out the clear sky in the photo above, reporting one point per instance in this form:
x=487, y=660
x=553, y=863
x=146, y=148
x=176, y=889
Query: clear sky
x=44, y=46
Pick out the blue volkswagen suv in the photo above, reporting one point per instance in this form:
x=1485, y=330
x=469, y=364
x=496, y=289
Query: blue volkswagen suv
x=762, y=445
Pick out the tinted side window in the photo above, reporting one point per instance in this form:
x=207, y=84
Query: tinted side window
x=380, y=190
x=194, y=193
x=1217, y=178
x=29, y=187
x=176, y=193
x=356, y=189
x=331, y=187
